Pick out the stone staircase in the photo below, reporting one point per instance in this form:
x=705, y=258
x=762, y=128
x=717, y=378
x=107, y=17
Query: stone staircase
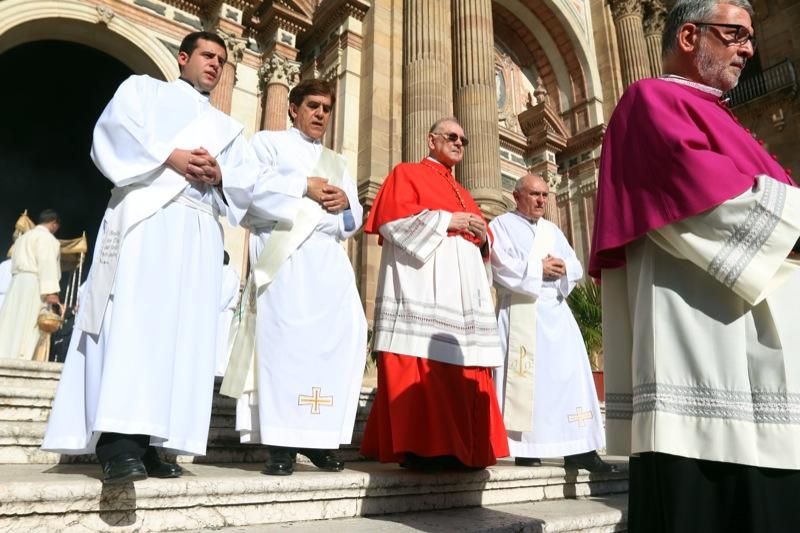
x=42, y=491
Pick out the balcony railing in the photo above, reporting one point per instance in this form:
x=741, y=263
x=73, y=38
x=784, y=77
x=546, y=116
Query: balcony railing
x=774, y=78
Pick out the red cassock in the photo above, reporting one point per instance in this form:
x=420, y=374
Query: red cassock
x=423, y=406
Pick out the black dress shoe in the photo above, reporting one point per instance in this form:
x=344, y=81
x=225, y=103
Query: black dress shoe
x=323, y=459
x=280, y=462
x=589, y=461
x=123, y=468
x=527, y=461
x=156, y=467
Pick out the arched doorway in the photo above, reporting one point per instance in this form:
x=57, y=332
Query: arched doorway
x=60, y=89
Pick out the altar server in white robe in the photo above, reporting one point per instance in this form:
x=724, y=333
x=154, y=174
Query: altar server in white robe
x=310, y=330
x=140, y=368
x=228, y=301
x=545, y=386
x=36, y=271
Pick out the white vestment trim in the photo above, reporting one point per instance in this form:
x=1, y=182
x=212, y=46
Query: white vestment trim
x=521, y=376
x=131, y=204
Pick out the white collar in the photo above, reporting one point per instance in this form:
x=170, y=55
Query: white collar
x=680, y=80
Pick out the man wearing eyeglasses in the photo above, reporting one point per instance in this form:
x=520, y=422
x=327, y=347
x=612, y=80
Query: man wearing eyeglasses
x=696, y=240
x=435, y=331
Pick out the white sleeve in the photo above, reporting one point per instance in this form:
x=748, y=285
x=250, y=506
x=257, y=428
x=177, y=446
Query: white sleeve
x=744, y=242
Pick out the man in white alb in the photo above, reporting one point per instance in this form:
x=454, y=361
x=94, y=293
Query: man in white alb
x=310, y=329
x=229, y=298
x=140, y=368
x=36, y=271
x=549, y=401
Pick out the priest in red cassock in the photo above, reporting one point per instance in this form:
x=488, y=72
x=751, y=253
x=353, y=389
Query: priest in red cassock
x=696, y=241
x=435, y=330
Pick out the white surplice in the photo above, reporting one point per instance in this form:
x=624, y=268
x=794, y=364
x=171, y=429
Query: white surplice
x=701, y=336
x=229, y=298
x=150, y=370
x=5, y=279
x=36, y=271
x=435, y=297
x=311, y=331
x=566, y=416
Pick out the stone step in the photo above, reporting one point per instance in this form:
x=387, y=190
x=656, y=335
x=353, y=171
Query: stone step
x=24, y=412
x=595, y=514
x=30, y=370
x=70, y=497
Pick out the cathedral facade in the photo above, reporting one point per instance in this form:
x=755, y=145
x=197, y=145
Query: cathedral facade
x=533, y=82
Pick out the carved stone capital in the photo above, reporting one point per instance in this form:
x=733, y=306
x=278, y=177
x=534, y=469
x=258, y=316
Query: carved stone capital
x=278, y=69
x=654, y=16
x=235, y=47
x=624, y=8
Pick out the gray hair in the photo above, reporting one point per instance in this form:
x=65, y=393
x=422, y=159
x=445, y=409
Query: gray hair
x=692, y=11
x=520, y=181
x=442, y=121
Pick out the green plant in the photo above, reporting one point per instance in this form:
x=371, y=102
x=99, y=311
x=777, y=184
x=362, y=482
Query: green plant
x=584, y=300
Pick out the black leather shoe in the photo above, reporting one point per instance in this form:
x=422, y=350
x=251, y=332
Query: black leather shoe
x=156, y=467
x=124, y=468
x=589, y=461
x=323, y=459
x=527, y=461
x=279, y=463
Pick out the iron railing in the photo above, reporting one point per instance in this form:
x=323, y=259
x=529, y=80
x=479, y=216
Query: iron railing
x=775, y=78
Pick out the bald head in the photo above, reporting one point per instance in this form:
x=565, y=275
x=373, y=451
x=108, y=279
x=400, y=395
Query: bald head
x=530, y=194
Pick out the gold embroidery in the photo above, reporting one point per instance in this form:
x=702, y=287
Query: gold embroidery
x=315, y=400
x=523, y=364
x=580, y=416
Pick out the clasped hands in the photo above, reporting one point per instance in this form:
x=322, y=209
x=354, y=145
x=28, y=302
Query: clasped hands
x=330, y=197
x=553, y=268
x=197, y=166
x=468, y=223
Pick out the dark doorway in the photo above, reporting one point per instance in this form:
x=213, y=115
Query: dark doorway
x=53, y=93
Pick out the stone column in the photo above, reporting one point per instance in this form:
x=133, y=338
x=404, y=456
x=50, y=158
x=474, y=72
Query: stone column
x=222, y=95
x=654, y=18
x=475, y=102
x=275, y=77
x=630, y=40
x=427, y=71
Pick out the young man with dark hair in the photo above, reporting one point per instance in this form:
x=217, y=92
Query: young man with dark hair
x=140, y=368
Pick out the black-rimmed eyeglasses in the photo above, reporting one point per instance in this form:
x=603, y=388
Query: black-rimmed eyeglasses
x=739, y=37
x=453, y=137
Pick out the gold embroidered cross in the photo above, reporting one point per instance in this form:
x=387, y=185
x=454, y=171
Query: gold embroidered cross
x=579, y=416
x=315, y=400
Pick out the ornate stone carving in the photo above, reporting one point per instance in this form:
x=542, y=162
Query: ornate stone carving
x=104, y=14
x=654, y=17
x=278, y=69
x=624, y=8
x=234, y=45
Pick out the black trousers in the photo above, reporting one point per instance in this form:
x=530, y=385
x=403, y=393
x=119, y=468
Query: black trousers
x=109, y=445
x=671, y=494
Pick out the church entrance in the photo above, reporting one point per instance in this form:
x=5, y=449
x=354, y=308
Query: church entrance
x=54, y=91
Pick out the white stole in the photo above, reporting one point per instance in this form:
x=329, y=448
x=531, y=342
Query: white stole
x=520, y=376
x=134, y=203
x=283, y=241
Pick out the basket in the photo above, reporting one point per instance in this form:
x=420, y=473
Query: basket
x=48, y=321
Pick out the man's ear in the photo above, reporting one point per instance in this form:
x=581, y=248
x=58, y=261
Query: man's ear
x=293, y=111
x=687, y=37
x=183, y=58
